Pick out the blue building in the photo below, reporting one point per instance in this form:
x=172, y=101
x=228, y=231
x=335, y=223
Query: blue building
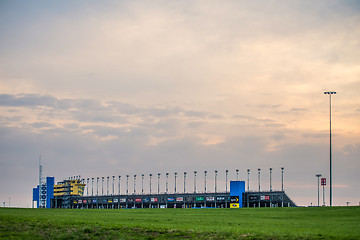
x=46, y=192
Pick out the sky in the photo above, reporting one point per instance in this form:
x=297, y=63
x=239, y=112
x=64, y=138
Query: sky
x=103, y=88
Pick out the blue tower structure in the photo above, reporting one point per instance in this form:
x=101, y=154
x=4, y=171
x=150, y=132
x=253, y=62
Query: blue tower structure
x=47, y=191
x=237, y=190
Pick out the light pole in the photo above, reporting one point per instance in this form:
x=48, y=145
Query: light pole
x=185, y=181
x=92, y=186
x=107, y=186
x=102, y=186
x=237, y=174
x=259, y=184
x=158, y=183
x=248, y=182
x=318, y=176
x=226, y=184
x=97, y=186
x=87, y=187
x=142, y=184
x=127, y=184
x=134, y=184
x=270, y=187
x=216, y=180
x=282, y=187
x=119, y=185
x=150, y=181
x=330, y=93
x=113, y=185
x=205, y=172
x=167, y=180
x=175, y=182
x=195, y=181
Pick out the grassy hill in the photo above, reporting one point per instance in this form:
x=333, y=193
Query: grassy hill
x=254, y=223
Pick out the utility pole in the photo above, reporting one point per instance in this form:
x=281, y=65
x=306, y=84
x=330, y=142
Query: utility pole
x=150, y=181
x=318, y=176
x=330, y=93
x=119, y=185
x=195, y=181
x=205, y=172
x=185, y=182
x=175, y=182
x=237, y=174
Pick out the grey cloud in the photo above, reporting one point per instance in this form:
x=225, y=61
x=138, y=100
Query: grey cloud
x=42, y=125
x=26, y=100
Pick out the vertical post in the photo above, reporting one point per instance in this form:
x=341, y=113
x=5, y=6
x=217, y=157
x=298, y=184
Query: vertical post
x=330, y=93
x=323, y=195
x=158, y=183
x=113, y=185
x=205, y=172
x=87, y=187
x=92, y=186
x=167, y=179
x=107, y=186
x=119, y=185
x=195, y=181
x=97, y=186
x=102, y=186
x=282, y=187
x=270, y=188
x=150, y=181
x=127, y=184
x=226, y=180
x=318, y=187
x=184, y=182
x=175, y=182
x=134, y=185
x=248, y=182
x=216, y=181
x=237, y=174
x=259, y=185
x=142, y=190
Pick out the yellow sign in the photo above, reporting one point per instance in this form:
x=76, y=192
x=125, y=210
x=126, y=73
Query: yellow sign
x=234, y=205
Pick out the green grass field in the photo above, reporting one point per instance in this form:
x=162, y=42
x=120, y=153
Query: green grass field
x=255, y=223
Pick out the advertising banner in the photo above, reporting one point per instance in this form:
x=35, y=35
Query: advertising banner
x=179, y=199
x=75, y=202
x=210, y=199
x=154, y=199
x=110, y=201
x=94, y=201
x=220, y=198
x=80, y=201
x=146, y=200
x=234, y=205
x=130, y=200
x=137, y=199
x=198, y=199
x=116, y=200
x=323, y=181
x=122, y=200
x=170, y=199
x=234, y=199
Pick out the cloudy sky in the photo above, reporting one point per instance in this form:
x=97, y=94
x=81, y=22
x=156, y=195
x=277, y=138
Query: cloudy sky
x=102, y=88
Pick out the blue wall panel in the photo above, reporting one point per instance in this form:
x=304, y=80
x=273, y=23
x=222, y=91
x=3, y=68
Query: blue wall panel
x=237, y=188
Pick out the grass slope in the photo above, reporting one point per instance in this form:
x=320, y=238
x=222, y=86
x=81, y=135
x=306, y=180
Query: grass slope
x=254, y=223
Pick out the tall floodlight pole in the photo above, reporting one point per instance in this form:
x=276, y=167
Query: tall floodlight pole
x=113, y=185
x=92, y=186
x=150, y=181
x=195, y=181
x=107, y=186
x=158, y=183
x=175, y=182
x=282, y=187
x=134, y=184
x=127, y=184
x=119, y=185
x=185, y=181
x=102, y=186
x=226, y=180
x=237, y=174
x=142, y=184
x=205, y=172
x=270, y=187
x=248, y=183
x=259, y=184
x=318, y=176
x=167, y=179
x=87, y=187
x=216, y=180
x=330, y=93
x=97, y=186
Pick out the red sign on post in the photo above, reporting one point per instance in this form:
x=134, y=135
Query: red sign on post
x=323, y=181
